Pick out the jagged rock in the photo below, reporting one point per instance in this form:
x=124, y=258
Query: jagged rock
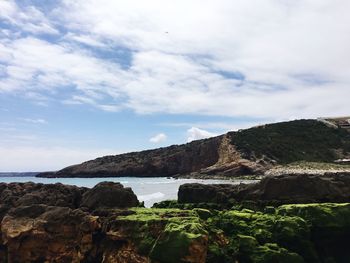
x=18, y=194
x=109, y=195
x=283, y=189
x=41, y=233
x=24, y=194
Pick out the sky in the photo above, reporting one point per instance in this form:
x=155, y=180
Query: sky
x=81, y=79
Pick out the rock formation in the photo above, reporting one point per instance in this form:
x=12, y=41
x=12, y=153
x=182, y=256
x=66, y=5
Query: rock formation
x=250, y=151
x=98, y=225
x=283, y=189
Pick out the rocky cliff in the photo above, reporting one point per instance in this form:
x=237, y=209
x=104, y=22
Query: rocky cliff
x=250, y=151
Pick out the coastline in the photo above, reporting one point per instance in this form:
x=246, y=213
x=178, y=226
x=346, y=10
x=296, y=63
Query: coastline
x=206, y=224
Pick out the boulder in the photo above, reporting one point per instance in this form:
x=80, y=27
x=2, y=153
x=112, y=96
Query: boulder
x=204, y=193
x=109, y=195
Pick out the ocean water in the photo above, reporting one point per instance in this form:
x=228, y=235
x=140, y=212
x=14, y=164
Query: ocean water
x=150, y=190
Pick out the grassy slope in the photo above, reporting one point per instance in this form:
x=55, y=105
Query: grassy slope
x=287, y=142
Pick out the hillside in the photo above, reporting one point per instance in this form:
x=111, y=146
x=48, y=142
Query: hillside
x=250, y=151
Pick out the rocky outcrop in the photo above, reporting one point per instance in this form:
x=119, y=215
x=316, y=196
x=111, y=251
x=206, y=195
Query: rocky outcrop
x=72, y=224
x=105, y=232
x=283, y=189
x=251, y=151
x=105, y=194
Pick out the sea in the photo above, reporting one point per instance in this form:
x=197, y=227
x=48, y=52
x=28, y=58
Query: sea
x=149, y=190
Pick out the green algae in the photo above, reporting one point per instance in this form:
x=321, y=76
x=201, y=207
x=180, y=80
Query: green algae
x=203, y=213
x=320, y=215
x=173, y=245
x=190, y=206
x=329, y=226
x=288, y=233
x=165, y=235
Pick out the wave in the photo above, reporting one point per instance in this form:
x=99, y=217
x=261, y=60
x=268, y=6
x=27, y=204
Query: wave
x=157, y=195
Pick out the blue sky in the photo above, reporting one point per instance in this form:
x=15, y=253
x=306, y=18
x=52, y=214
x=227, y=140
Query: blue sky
x=85, y=78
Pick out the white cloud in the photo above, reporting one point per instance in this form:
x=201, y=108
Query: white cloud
x=35, y=121
x=25, y=158
x=28, y=19
x=159, y=138
x=197, y=134
x=293, y=56
x=222, y=127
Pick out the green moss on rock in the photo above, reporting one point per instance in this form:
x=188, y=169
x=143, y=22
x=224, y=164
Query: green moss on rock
x=288, y=233
x=175, y=242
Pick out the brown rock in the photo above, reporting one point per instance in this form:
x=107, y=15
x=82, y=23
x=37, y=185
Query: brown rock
x=48, y=234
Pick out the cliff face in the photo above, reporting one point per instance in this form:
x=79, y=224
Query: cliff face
x=209, y=156
x=250, y=151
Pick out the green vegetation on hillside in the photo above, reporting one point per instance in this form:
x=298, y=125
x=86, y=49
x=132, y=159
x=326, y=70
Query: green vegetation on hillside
x=287, y=142
x=315, y=166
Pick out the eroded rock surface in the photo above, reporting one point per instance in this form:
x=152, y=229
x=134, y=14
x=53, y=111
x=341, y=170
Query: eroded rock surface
x=41, y=233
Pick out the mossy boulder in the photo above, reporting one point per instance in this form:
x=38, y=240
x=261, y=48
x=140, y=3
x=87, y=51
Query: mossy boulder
x=181, y=241
x=329, y=228
x=166, y=235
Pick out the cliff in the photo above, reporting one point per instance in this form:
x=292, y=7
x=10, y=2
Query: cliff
x=250, y=151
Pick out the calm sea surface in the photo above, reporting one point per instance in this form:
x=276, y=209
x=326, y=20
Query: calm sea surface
x=150, y=190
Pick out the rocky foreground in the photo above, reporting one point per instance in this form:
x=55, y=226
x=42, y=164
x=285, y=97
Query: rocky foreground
x=218, y=223
x=246, y=152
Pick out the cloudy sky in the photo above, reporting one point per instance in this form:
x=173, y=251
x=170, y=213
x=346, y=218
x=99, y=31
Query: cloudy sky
x=84, y=78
